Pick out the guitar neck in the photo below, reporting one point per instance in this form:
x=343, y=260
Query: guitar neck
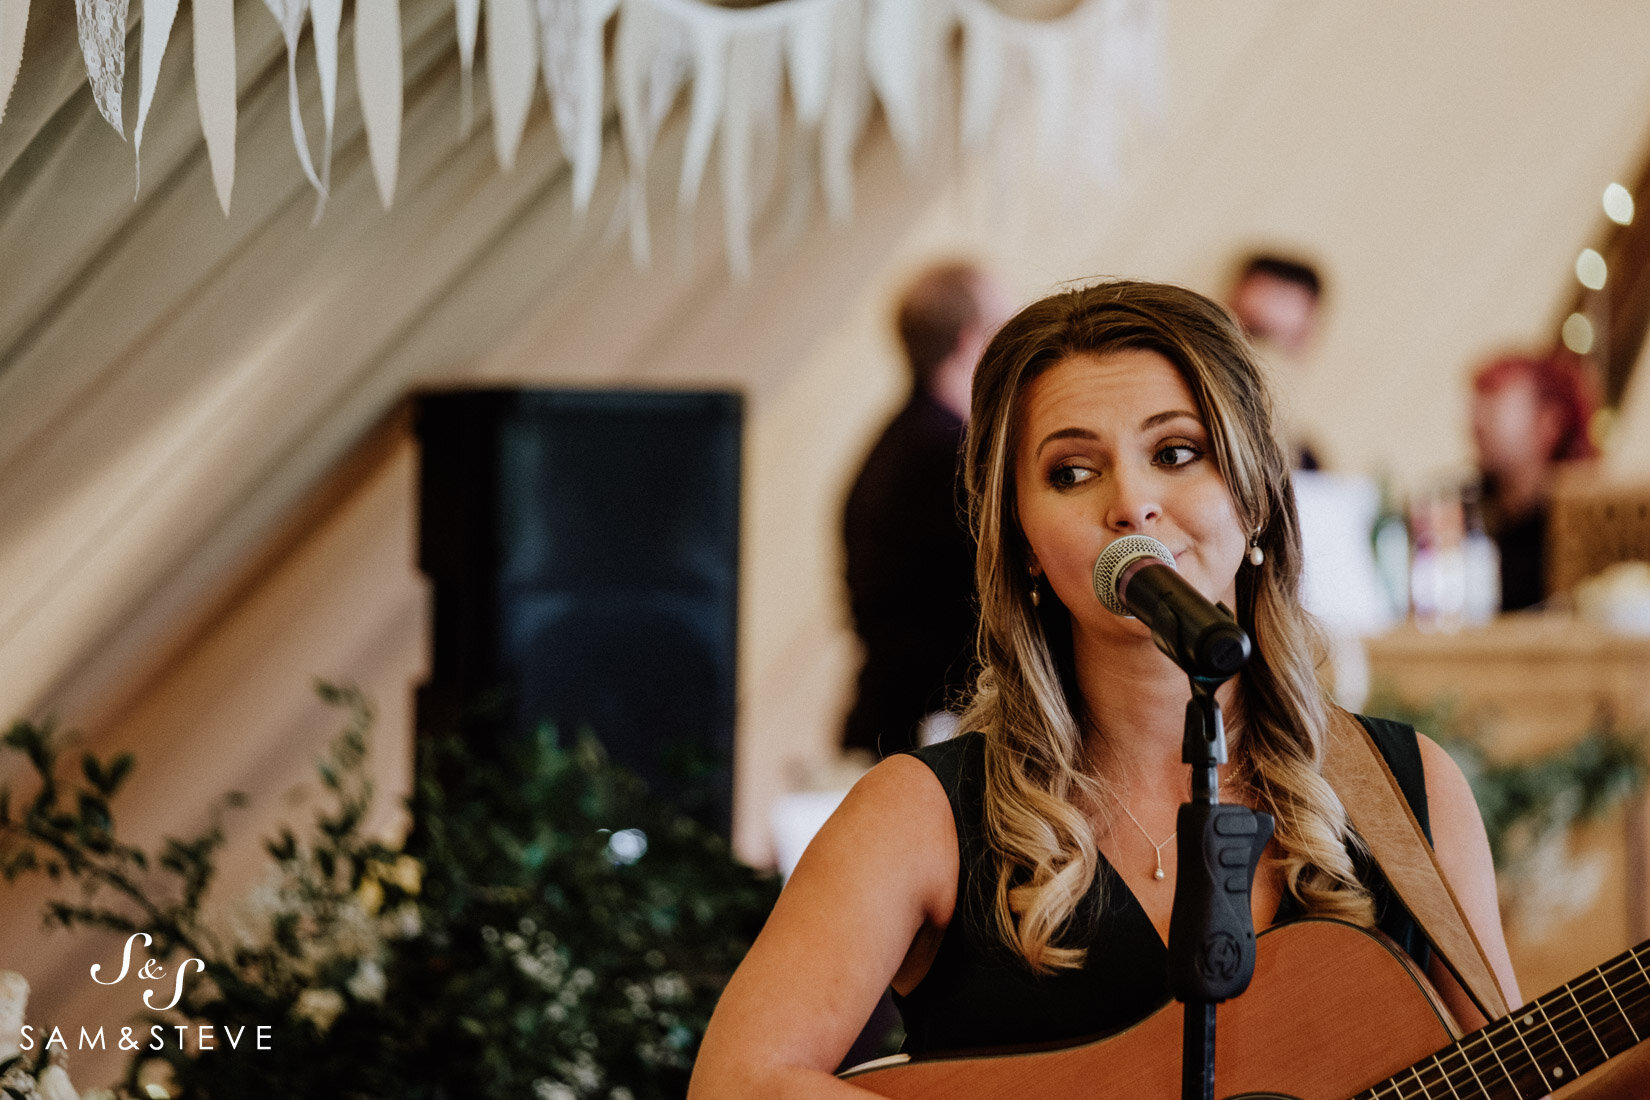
x=1546, y=1044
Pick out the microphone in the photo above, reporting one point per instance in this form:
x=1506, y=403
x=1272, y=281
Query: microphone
x=1135, y=577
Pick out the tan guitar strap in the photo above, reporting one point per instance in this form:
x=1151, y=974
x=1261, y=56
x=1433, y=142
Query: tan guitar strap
x=1378, y=810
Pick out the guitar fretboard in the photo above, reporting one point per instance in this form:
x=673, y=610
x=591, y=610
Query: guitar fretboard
x=1544, y=1045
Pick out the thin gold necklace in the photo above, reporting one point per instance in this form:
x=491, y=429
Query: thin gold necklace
x=1157, y=849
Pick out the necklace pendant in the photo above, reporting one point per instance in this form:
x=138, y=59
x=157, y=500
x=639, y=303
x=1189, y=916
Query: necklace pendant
x=1158, y=874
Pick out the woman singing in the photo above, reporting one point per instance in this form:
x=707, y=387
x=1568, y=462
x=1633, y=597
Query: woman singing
x=1013, y=885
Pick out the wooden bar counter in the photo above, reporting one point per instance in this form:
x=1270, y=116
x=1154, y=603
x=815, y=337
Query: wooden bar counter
x=1535, y=683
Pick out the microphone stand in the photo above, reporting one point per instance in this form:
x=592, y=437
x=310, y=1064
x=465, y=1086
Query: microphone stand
x=1211, y=928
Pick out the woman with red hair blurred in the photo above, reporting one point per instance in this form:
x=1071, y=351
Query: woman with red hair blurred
x=1529, y=414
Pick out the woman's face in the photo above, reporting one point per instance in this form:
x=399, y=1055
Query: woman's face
x=1113, y=445
x=1509, y=429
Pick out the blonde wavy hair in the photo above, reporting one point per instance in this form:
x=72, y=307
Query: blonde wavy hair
x=1040, y=794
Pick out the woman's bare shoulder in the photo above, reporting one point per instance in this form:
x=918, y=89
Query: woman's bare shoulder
x=899, y=800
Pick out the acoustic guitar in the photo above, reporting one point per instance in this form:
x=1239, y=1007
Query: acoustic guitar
x=1334, y=1012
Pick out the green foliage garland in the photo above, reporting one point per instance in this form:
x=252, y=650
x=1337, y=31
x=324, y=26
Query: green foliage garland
x=548, y=930
x=1532, y=798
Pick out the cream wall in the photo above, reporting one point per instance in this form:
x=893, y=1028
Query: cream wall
x=174, y=386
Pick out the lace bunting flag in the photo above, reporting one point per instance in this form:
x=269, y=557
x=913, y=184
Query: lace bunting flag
x=102, y=28
x=1078, y=79
x=14, y=20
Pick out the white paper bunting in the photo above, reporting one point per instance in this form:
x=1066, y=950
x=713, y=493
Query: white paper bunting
x=572, y=32
x=14, y=21
x=749, y=135
x=1084, y=73
x=808, y=56
x=652, y=59
x=1132, y=37
x=984, y=64
x=290, y=15
x=467, y=16
x=215, y=89
x=158, y=16
x=102, y=28
x=1079, y=78
x=512, y=65
x=846, y=111
x=324, y=19
x=711, y=43
x=378, y=78
x=901, y=59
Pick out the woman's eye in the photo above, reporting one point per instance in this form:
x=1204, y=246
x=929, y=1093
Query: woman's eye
x=1177, y=454
x=1064, y=477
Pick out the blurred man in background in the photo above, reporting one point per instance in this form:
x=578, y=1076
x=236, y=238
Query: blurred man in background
x=910, y=558
x=1276, y=299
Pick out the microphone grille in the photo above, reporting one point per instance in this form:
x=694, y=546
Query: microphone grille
x=1117, y=557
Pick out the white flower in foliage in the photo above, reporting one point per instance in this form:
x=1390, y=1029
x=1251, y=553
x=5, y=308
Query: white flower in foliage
x=369, y=982
x=319, y=1006
x=14, y=995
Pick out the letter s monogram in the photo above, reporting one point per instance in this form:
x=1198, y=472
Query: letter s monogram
x=177, y=990
x=125, y=959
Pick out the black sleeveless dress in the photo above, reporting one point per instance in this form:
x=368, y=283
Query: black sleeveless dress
x=978, y=994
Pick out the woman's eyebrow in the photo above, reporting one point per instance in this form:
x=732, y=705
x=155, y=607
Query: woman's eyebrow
x=1065, y=433
x=1164, y=417
x=1150, y=422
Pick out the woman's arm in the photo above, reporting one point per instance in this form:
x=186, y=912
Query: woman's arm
x=1463, y=851
x=882, y=870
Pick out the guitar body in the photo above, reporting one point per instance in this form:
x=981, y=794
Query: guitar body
x=1333, y=1010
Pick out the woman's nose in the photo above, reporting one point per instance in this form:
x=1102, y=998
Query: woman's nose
x=1133, y=505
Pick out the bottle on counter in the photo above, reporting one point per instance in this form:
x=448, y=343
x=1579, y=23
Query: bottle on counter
x=1481, y=562
x=1389, y=539
x=1437, y=572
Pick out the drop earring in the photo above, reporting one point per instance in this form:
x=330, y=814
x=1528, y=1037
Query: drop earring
x=1257, y=556
x=1036, y=590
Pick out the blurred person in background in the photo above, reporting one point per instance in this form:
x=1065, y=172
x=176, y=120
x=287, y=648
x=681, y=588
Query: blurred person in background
x=1530, y=414
x=1276, y=300
x=910, y=558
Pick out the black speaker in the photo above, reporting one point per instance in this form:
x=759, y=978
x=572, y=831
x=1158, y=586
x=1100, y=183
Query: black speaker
x=583, y=550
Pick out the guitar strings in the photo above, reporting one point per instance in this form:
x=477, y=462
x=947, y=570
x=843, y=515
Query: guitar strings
x=1441, y=1075
x=1551, y=1033
x=1564, y=1032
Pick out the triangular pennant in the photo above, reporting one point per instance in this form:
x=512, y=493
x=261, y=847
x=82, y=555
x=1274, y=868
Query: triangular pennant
x=512, y=64
x=651, y=61
x=14, y=21
x=808, y=59
x=158, y=16
x=378, y=77
x=847, y=109
x=324, y=19
x=572, y=33
x=290, y=15
x=102, y=29
x=467, y=15
x=710, y=84
x=215, y=89
x=984, y=63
